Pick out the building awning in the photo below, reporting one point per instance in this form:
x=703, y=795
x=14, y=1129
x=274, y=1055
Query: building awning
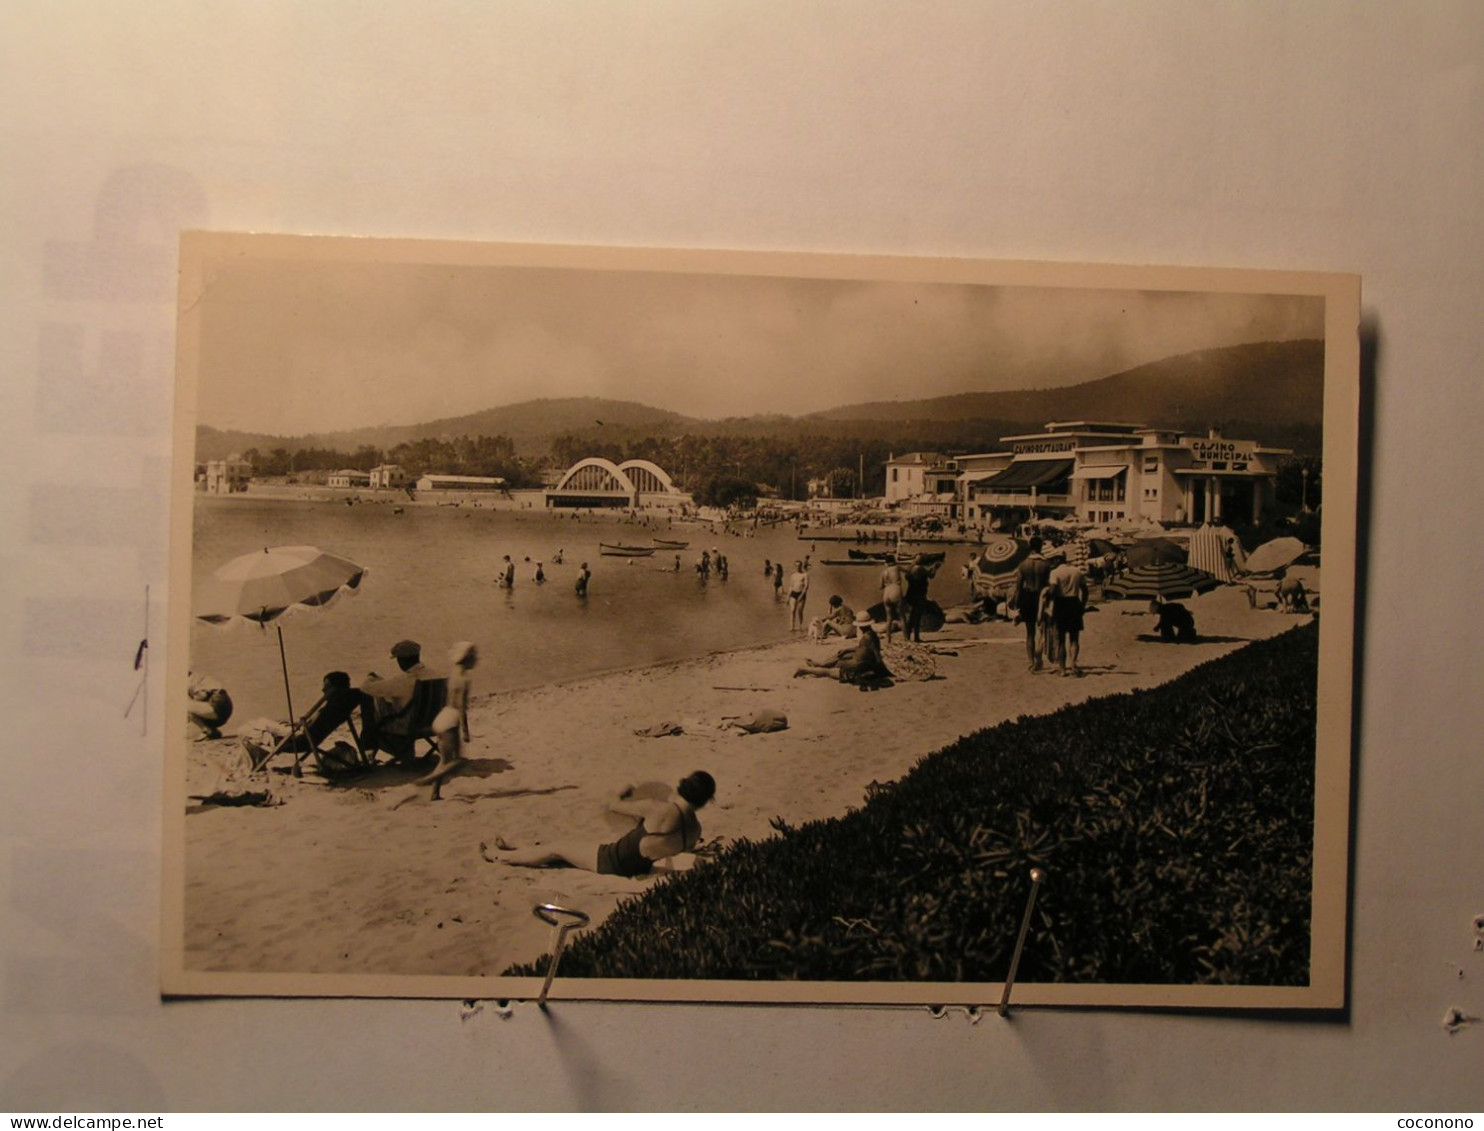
x=1112, y=471
x=1225, y=473
x=1031, y=473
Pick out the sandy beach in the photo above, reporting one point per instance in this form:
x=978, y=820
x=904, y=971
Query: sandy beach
x=343, y=879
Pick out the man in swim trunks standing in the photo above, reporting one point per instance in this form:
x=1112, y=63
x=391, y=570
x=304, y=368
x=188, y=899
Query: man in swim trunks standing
x=798, y=594
x=1030, y=579
x=1069, y=589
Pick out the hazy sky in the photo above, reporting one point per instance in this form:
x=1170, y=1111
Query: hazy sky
x=294, y=347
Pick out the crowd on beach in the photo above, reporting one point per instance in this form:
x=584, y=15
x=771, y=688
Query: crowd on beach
x=1049, y=597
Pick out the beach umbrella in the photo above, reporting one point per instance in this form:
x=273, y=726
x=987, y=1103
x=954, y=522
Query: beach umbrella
x=1147, y=551
x=999, y=558
x=1275, y=555
x=1165, y=580
x=264, y=585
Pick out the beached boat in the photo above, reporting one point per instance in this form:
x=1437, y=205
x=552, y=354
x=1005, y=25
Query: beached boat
x=849, y=562
x=615, y=549
x=871, y=556
x=666, y=544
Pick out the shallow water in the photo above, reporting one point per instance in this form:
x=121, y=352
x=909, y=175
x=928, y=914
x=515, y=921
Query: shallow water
x=431, y=577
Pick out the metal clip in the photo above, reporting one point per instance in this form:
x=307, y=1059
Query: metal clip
x=547, y=913
x=1030, y=902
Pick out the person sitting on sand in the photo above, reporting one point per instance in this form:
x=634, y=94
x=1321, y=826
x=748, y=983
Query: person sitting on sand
x=1176, y=622
x=451, y=724
x=664, y=828
x=208, y=706
x=860, y=663
x=840, y=620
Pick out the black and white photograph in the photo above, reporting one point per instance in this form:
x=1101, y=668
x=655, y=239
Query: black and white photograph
x=776, y=627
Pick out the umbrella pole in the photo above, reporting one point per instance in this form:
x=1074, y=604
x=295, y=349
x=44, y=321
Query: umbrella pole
x=288, y=695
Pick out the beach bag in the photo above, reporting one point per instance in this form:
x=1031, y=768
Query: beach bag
x=340, y=761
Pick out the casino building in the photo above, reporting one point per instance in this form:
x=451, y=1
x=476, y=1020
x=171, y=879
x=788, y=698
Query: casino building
x=1099, y=472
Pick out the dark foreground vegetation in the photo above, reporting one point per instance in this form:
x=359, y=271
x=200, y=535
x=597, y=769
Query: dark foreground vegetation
x=1175, y=825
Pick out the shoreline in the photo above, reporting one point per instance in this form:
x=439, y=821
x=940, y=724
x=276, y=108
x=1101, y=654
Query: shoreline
x=335, y=880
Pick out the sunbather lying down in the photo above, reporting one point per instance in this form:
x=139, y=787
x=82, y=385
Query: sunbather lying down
x=664, y=828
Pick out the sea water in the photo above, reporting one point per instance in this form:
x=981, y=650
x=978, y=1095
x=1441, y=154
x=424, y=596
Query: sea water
x=431, y=577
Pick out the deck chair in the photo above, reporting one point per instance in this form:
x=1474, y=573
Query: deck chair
x=334, y=709
x=399, y=733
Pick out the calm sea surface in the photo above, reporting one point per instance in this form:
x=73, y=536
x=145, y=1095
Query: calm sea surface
x=431, y=577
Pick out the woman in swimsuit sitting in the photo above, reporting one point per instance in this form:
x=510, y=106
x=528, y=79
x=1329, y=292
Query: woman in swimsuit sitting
x=665, y=828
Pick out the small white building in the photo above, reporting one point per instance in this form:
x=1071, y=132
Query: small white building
x=920, y=473
x=460, y=483
x=348, y=477
x=226, y=476
x=389, y=475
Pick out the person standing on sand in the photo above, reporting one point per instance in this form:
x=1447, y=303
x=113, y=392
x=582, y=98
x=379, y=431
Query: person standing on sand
x=1030, y=579
x=664, y=828
x=915, y=597
x=1070, y=596
x=798, y=595
x=451, y=724
x=892, y=586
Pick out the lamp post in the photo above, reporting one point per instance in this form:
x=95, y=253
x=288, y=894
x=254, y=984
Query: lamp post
x=1304, y=474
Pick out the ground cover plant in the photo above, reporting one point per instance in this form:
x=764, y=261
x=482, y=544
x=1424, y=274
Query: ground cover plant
x=1175, y=825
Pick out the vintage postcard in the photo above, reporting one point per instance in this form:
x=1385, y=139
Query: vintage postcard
x=798, y=628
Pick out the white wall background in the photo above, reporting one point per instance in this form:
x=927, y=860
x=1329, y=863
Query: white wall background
x=1286, y=135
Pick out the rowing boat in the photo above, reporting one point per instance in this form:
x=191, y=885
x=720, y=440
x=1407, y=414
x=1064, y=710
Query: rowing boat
x=619, y=550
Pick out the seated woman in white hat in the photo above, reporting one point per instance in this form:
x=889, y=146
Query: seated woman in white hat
x=860, y=663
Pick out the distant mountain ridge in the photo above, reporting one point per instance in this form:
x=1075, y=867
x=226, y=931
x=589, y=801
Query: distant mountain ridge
x=1273, y=390
x=1284, y=380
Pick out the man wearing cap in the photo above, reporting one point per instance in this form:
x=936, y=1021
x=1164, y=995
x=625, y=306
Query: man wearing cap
x=393, y=694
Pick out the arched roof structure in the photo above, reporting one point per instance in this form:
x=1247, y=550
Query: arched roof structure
x=595, y=474
x=648, y=477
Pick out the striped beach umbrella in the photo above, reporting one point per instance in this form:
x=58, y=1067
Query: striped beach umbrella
x=998, y=560
x=1216, y=550
x=1165, y=580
